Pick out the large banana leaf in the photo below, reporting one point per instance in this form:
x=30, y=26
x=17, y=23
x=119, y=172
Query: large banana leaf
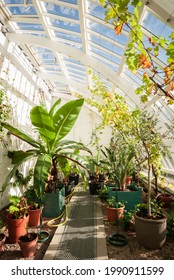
x=20, y=160
x=68, y=144
x=41, y=172
x=20, y=156
x=54, y=108
x=77, y=159
x=21, y=135
x=65, y=118
x=41, y=119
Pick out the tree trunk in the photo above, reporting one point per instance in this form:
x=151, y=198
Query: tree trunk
x=149, y=189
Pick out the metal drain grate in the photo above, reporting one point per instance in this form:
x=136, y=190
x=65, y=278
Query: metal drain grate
x=78, y=240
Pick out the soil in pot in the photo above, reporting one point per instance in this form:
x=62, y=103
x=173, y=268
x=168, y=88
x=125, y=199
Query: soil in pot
x=28, y=244
x=2, y=240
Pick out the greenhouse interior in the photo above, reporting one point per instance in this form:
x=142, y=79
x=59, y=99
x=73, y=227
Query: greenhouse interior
x=86, y=129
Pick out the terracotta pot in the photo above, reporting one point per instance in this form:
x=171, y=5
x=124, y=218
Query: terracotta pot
x=150, y=233
x=112, y=213
x=166, y=199
x=2, y=240
x=27, y=245
x=16, y=227
x=34, y=217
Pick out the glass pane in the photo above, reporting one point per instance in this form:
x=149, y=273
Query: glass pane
x=30, y=26
x=17, y=1
x=107, y=45
x=77, y=72
x=28, y=10
x=68, y=59
x=156, y=26
x=73, y=66
x=96, y=11
x=114, y=68
x=107, y=32
x=65, y=25
x=105, y=55
x=61, y=11
x=69, y=1
x=41, y=50
x=46, y=56
x=68, y=37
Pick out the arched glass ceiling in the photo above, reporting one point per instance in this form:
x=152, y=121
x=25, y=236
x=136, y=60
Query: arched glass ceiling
x=64, y=38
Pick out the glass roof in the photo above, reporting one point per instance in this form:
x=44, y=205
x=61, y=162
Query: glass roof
x=82, y=40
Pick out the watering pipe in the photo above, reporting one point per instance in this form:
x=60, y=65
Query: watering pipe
x=64, y=212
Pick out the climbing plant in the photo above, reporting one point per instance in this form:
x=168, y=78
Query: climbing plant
x=113, y=108
x=139, y=56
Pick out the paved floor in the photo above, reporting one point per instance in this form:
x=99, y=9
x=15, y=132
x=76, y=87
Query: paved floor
x=82, y=236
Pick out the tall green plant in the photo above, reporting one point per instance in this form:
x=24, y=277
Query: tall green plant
x=51, y=149
x=148, y=134
x=118, y=159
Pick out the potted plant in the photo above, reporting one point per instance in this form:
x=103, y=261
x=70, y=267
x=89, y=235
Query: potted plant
x=114, y=209
x=150, y=229
x=17, y=218
x=34, y=208
x=50, y=150
x=95, y=180
x=28, y=244
x=118, y=160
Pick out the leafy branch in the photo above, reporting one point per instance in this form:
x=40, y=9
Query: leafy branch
x=138, y=56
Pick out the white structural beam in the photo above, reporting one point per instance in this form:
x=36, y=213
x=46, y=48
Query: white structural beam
x=78, y=55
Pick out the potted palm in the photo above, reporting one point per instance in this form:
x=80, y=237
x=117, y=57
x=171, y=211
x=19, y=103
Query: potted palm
x=50, y=150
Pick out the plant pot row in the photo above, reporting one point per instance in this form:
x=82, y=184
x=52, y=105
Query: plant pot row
x=17, y=233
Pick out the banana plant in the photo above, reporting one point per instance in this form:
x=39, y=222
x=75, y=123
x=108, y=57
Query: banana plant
x=50, y=150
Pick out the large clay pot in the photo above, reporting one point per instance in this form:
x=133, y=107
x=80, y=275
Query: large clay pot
x=34, y=217
x=16, y=227
x=112, y=213
x=150, y=233
x=2, y=240
x=28, y=244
